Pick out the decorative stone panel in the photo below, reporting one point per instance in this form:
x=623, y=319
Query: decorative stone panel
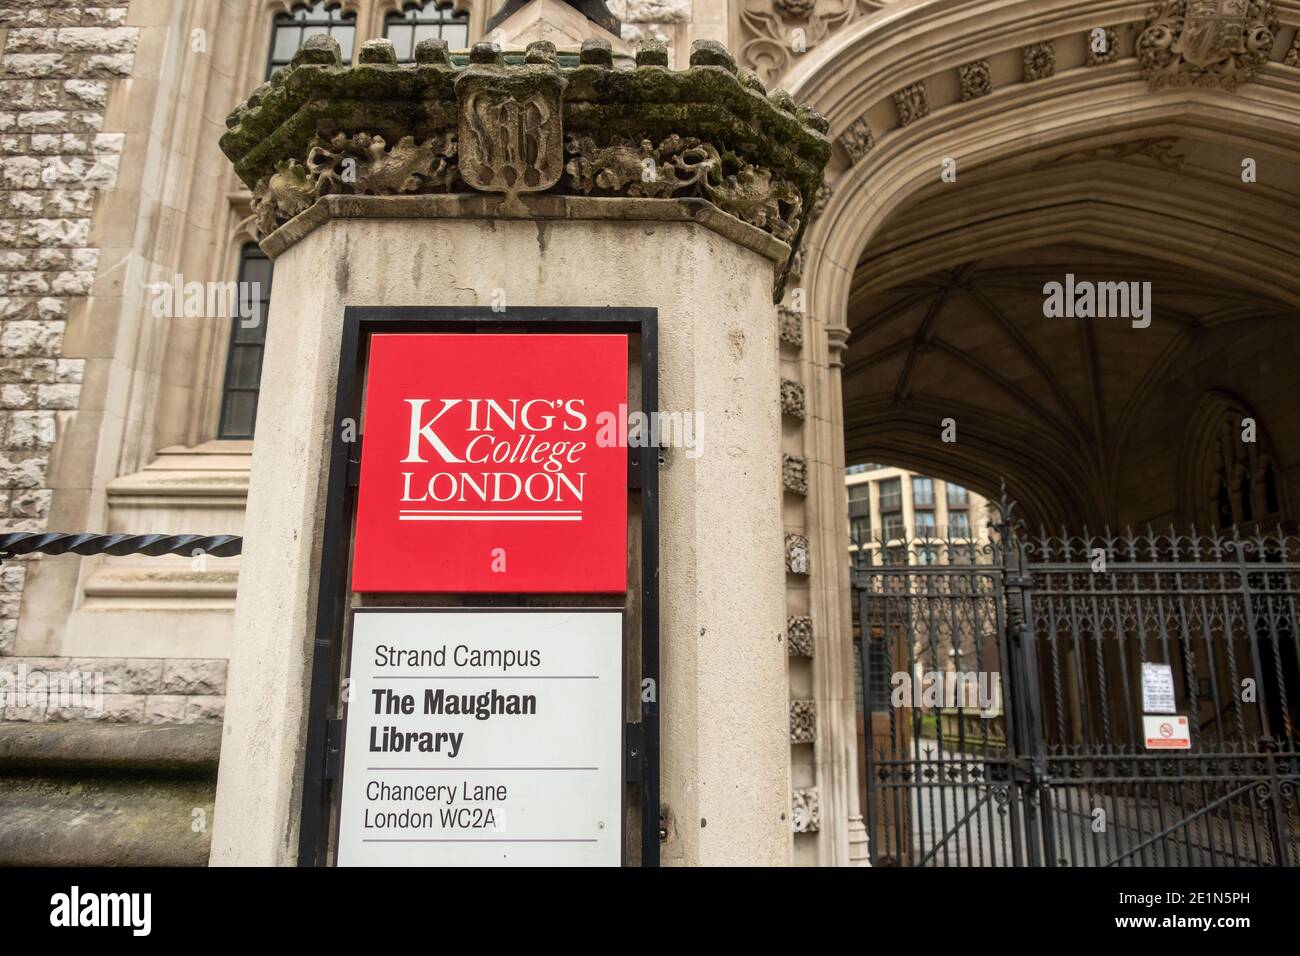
x=790, y=326
x=857, y=140
x=976, y=80
x=805, y=810
x=1109, y=42
x=799, y=635
x=797, y=560
x=912, y=103
x=792, y=399
x=1039, y=61
x=803, y=721
x=794, y=474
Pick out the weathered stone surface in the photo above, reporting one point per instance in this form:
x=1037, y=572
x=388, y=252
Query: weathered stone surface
x=765, y=154
x=193, y=676
x=58, y=64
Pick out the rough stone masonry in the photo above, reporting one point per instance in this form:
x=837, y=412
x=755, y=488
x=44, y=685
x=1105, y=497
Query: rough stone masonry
x=58, y=62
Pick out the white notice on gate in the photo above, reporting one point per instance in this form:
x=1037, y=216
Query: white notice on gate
x=1166, y=733
x=483, y=738
x=1158, y=689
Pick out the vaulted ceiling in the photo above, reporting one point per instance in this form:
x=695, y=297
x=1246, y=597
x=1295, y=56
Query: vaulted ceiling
x=1047, y=403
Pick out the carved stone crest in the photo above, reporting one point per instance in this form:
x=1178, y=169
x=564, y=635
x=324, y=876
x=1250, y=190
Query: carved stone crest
x=1220, y=43
x=511, y=139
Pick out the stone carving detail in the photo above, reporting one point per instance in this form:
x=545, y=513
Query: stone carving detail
x=1164, y=150
x=912, y=103
x=797, y=263
x=792, y=398
x=1218, y=43
x=796, y=9
x=768, y=42
x=857, y=140
x=799, y=635
x=361, y=164
x=797, y=560
x=678, y=166
x=1292, y=57
x=976, y=80
x=820, y=200
x=1103, y=46
x=1040, y=61
x=803, y=721
x=790, y=326
x=501, y=127
x=510, y=137
x=805, y=810
x=794, y=473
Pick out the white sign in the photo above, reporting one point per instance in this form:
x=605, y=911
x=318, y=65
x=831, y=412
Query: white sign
x=1166, y=733
x=483, y=738
x=1158, y=689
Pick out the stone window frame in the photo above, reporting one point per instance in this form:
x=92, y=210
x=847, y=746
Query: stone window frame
x=248, y=251
x=304, y=15
x=212, y=354
x=439, y=13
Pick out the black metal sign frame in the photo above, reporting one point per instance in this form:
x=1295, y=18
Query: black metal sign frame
x=322, y=759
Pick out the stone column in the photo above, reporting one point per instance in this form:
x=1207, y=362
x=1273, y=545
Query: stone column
x=704, y=237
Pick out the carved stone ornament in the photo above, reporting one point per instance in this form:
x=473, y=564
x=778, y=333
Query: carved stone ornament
x=797, y=560
x=820, y=200
x=796, y=9
x=768, y=44
x=803, y=721
x=1215, y=43
x=512, y=123
x=976, y=80
x=799, y=635
x=362, y=164
x=510, y=130
x=912, y=103
x=805, y=810
x=1039, y=61
x=794, y=474
x=1292, y=57
x=857, y=140
x=790, y=326
x=792, y=398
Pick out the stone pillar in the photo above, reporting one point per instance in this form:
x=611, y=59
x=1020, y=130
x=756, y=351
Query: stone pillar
x=710, y=274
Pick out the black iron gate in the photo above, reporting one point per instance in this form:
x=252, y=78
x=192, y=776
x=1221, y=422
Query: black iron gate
x=1009, y=720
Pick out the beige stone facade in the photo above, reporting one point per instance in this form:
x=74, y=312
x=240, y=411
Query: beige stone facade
x=983, y=148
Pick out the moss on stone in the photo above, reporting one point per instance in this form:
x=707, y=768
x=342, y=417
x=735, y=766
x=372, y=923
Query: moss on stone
x=711, y=101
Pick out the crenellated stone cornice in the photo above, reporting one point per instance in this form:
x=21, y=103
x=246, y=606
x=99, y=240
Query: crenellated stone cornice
x=536, y=121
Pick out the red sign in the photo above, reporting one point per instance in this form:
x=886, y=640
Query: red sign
x=490, y=463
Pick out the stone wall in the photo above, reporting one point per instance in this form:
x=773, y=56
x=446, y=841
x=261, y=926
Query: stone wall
x=146, y=690
x=57, y=62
